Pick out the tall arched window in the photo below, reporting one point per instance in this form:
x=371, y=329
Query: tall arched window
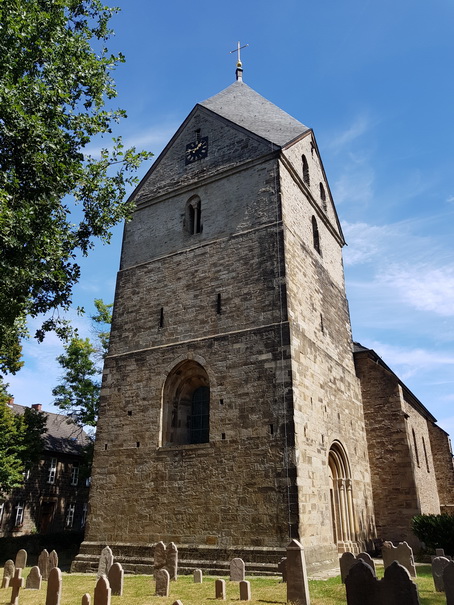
x=316, y=235
x=342, y=513
x=323, y=196
x=306, y=178
x=186, y=405
x=194, y=215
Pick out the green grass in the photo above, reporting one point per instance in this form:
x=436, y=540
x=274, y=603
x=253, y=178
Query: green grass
x=139, y=590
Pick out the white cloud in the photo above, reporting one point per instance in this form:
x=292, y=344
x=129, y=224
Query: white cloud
x=360, y=126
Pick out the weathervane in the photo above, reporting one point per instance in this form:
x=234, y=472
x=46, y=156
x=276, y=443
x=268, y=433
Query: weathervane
x=239, y=65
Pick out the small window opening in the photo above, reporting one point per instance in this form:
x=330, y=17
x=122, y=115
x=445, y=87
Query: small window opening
x=316, y=235
x=105, y=446
x=161, y=318
x=323, y=197
x=138, y=444
x=416, y=447
x=425, y=455
x=219, y=304
x=194, y=216
x=223, y=435
x=197, y=135
x=322, y=327
x=221, y=401
x=129, y=413
x=312, y=148
x=272, y=429
x=306, y=178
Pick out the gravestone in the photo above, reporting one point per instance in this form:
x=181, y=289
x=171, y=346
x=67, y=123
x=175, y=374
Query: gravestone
x=116, y=579
x=346, y=562
x=172, y=560
x=21, y=559
x=219, y=589
x=8, y=573
x=396, y=587
x=361, y=586
x=448, y=582
x=162, y=578
x=438, y=565
x=439, y=552
x=53, y=560
x=43, y=564
x=402, y=553
x=159, y=555
x=237, y=570
x=367, y=559
x=53, y=594
x=16, y=583
x=102, y=592
x=105, y=562
x=86, y=599
x=297, y=586
x=245, y=590
x=198, y=576
x=282, y=568
x=34, y=579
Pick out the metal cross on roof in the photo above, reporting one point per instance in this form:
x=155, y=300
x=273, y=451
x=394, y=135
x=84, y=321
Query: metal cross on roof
x=237, y=50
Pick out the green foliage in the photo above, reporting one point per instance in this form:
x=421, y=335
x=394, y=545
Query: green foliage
x=20, y=442
x=436, y=531
x=78, y=393
x=101, y=325
x=55, y=79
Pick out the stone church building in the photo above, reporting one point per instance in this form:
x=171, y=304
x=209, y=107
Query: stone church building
x=236, y=412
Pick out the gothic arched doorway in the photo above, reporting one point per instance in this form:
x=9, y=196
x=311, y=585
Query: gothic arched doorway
x=342, y=513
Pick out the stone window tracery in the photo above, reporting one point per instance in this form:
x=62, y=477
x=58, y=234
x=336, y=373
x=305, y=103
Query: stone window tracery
x=186, y=405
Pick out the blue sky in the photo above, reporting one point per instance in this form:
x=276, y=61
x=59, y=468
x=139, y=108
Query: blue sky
x=375, y=82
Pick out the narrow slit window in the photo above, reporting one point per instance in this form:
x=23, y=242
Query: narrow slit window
x=316, y=235
x=306, y=178
x=416, y=447
x=194, y=216
x=161, y=318
x=219, y=304
x=425, y=455
x=323, y=197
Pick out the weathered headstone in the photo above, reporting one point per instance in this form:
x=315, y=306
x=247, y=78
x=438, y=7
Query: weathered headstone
x=116, y=579
x=53, y=594
x=16, y=584
x=346, y=562
x=105, y=561
x=102, y=595
x=8, y=573
x=245, y=590
x=361, y=585
x=43, y=564
x=86, y=599
x=398, y=587
x=172, y=560
x=53, y=560
x=367, y=559
x=438, y=565
x=237, y=570
x=439, y=552
x=198, y=576
x=34, y=579
x=297, y=586
x=402, y=553
x=162, y=578
x=448, y=581
x=219, y=589
x=282, y=568
x=159, y=554
x=21, y=559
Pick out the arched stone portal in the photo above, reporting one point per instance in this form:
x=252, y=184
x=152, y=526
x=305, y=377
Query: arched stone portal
x=342, y=513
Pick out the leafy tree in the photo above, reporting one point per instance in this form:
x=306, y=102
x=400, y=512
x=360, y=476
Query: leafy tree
x=78, y=393
x=55, y=200
x=20, y=442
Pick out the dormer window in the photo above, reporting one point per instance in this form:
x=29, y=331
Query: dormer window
x=306, y=178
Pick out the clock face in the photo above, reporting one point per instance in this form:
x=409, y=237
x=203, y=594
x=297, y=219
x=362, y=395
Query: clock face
x=196, y=150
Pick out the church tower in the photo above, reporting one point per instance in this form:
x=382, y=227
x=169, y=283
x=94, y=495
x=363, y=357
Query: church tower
x=231, y=417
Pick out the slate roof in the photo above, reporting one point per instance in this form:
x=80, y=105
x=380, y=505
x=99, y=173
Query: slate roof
x=63, y=436
x=242, y=105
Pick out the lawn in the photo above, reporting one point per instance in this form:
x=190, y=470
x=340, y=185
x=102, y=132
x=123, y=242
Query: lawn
x=139, y=590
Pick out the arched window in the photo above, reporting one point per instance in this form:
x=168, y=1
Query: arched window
x=342, y=513
x=186, y=405
x=194, y=215
x=425, y=455
x=323, y=196
x=316, y=235
x=306, y=178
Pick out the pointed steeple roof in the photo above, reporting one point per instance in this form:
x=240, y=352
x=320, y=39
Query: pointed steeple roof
x=243, y=106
